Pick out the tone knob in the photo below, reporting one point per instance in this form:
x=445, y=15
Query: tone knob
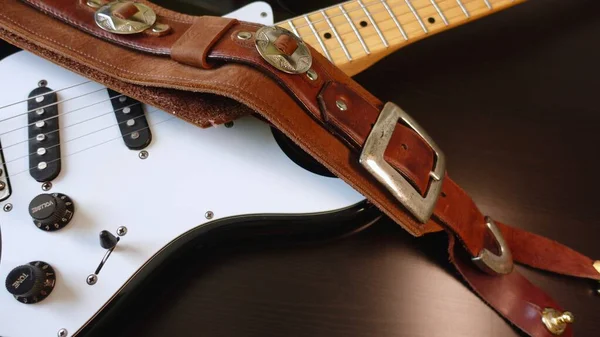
x=32, y=282
x=51, y=212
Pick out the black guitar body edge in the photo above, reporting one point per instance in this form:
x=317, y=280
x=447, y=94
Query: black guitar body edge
x=268, y=231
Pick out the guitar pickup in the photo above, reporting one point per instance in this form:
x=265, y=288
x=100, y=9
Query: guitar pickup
x=44, y=134
x=132, y=121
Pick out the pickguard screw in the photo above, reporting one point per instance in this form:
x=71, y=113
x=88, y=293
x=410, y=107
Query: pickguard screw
x=46, y=186
x=62, y=333
x=8, y=207
x=244, y=35
x=341, y=105
x=143, y=154
x=312, y=75
x=121, y=231
x=91, y=279
x=42, y=83
x=229, y=125
x=263, y=14
x=209, y=215
x=2, y=185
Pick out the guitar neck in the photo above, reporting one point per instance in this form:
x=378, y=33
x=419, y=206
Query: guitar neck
x=356, y=34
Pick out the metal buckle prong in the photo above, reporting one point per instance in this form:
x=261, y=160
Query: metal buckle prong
x=491, y=263
x=372, y=159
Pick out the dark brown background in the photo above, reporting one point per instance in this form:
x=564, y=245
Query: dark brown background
x=513, y=101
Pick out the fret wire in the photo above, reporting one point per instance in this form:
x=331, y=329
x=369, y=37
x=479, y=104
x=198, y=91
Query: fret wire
x=385, y=43
x=460, y=4
x=393, y=16
x=293, y=28
x=312, y=27
x=392, y=6
x=412, y=9
x=437, y=8
x=487, y=3
x=357, y=9
x=337, y=36
x=418, y=30
x=360, y=39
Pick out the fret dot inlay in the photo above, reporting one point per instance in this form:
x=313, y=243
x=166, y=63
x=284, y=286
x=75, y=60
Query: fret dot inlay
x=363, y=23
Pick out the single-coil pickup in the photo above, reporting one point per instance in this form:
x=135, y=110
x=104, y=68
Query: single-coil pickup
x=44, y=135
x=131, y=120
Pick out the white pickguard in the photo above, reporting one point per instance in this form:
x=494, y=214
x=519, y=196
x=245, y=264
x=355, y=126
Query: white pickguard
x=189, y=171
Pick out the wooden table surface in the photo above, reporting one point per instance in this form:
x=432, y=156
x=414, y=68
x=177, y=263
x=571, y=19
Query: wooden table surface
x=513, y=101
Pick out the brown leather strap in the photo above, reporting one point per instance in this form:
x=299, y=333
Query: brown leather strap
x=512, y=295
x=133, y=75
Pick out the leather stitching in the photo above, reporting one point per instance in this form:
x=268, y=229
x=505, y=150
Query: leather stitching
x=45, y=8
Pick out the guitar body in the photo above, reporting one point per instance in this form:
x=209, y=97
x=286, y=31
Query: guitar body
x=187, y=183
x=276, y=10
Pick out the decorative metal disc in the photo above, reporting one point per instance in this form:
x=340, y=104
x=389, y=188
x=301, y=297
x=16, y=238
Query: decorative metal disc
x=106, y=19
x=298, y=62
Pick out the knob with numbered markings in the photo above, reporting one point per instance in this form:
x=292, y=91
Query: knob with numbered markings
x=32, y=282
x=51, y=212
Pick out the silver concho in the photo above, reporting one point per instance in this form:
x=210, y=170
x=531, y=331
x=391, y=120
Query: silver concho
x=298, y=63
x=137, y=23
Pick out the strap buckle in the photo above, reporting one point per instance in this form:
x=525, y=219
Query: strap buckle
x=372, y=159
x=421, y=207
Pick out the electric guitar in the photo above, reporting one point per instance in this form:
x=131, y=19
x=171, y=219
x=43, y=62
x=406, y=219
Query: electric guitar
x=96, y=189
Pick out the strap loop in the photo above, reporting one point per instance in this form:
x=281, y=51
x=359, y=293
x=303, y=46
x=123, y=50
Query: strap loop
x=491, y=263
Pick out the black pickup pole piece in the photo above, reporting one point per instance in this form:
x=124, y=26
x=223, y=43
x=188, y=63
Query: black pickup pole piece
x=132, y=121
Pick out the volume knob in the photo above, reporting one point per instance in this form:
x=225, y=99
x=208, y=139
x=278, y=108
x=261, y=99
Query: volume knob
x=51, y=212
x=32, y=282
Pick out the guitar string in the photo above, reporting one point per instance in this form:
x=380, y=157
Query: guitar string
x=93, y=146
x=65, y=113
x=50, y=92
x=351, y=33
x=81, y=108
x=393, y=6
x=112, y=111
x=68, y=126
x=79, y=137
x=47, y=105
x=59, y=114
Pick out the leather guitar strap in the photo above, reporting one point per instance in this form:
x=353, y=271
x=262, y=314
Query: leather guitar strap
x=209, y=70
